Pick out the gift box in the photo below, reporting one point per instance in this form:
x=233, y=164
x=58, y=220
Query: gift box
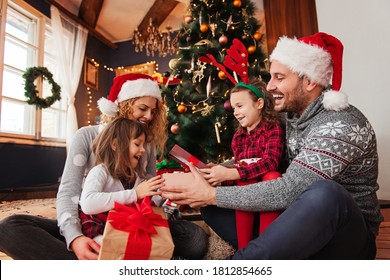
x=183, y=157
x=136, y=232
x=168, y=166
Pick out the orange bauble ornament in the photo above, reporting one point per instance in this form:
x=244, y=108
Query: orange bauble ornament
x=237, y=3
x=257, y=36
x=222, y=75
x=182, y=108
x=204, y=27
x=251, y=49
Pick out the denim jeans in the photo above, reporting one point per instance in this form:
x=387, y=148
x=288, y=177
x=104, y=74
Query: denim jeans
x=324, y=222
x=27, y=237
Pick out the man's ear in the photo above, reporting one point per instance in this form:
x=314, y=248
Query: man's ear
x=113, y=144
x=308, y=84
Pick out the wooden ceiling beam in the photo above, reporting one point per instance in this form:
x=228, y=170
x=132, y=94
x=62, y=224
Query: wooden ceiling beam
x=90, y=29
x=89, y=11
x=158, y=13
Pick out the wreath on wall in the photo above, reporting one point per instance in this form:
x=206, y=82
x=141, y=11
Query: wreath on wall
x=30, y=90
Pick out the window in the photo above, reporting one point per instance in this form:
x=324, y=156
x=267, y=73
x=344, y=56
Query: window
x=28, y=42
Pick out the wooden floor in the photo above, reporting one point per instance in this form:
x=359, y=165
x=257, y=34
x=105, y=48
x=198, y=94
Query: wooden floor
x=383, y=239
x=46, y=208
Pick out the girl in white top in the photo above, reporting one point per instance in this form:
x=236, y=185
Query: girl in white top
x=118, y=150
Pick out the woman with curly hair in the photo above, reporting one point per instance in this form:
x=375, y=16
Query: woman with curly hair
x=133, y=96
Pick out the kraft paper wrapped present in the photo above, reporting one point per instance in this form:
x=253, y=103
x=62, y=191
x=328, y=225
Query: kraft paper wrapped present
x=136, y=232
x=183, y=157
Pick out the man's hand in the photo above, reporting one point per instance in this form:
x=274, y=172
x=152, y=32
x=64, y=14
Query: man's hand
x=197, y=193
x=85, y=248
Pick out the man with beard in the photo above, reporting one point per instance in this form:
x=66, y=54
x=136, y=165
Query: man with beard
x=328, y=192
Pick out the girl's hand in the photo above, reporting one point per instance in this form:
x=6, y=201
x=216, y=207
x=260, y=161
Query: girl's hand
x=218, y=173
x=149, y=187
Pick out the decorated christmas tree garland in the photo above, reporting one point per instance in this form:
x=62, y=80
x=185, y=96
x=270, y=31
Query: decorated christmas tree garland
x=30, y=90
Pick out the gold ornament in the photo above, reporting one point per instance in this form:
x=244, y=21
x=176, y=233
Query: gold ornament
x=173, y=63
x=204, y=27
x=217, y=127
x=222, y=75
x=257, y=36
x=251, y=49
x=182, y=108
x=237, y=3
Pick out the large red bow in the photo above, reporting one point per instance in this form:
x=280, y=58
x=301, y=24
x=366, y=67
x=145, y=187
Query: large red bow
x=139, y=221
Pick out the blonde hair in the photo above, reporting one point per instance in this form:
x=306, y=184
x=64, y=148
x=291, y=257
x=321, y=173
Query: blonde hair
x=156, y=129
x=117, y=159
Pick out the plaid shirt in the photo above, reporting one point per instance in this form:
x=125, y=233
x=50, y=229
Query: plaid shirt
x=93, y=225
x=266, y=142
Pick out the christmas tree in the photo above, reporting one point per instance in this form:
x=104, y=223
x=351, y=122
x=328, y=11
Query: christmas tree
x=199, y=112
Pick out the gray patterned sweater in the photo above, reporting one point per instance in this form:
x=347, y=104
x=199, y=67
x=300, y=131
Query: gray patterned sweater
x=321, y=144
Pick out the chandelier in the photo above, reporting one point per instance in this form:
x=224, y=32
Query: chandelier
x=156, y=42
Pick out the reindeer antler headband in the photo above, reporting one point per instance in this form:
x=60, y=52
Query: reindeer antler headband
x=237, y=61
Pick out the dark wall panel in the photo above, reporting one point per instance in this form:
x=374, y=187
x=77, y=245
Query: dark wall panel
x=28, y=166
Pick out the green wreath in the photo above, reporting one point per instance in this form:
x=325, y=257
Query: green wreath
x=30, y=90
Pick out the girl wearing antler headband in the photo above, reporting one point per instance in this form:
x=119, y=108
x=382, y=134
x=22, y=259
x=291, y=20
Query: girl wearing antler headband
x=258, y=146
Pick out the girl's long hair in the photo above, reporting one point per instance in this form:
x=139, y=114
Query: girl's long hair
x=156, y=129
x=117, y=160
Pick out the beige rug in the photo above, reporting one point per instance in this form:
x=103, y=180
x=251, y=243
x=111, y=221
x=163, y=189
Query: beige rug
x=218, y=249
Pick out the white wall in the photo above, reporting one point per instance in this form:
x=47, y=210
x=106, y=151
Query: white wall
x=364, y=28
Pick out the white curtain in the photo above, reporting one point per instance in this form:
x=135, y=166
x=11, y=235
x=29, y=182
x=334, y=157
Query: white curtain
x=70, y=40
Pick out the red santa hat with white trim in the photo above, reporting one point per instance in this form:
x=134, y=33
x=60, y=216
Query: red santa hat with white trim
x=126, y=87
x=318, y=57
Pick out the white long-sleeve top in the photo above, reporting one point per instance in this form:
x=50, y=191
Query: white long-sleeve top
x=79, y=161
x=101, y=191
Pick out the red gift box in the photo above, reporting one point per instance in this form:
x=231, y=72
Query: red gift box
x=183, y=157
x=136, y=232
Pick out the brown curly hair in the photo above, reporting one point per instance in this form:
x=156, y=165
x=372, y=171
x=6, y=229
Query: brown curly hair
x=157, y=128
x=268, y=112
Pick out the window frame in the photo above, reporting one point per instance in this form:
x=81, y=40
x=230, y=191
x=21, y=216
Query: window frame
x=42, y=21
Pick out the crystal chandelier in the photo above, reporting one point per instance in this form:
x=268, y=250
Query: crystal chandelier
x=156, y=42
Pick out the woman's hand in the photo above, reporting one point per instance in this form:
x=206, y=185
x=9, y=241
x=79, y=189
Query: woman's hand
x=218, y=173
x=85, y=248
x=149, y=187
x=197, y=193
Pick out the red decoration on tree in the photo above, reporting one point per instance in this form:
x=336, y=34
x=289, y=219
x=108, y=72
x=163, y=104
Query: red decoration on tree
x=175, y=128
x=223, y=40
x=237, y=60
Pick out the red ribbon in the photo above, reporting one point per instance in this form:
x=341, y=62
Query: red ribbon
x=139, y=221
x=193, y=160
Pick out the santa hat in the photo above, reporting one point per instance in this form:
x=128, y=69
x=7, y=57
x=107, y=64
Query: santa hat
x=126, y=87
x=318, y=57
